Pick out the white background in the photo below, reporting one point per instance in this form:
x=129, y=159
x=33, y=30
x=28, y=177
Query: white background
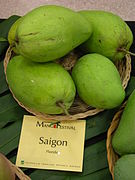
x=124, y=8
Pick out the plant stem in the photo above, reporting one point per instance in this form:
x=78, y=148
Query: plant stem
x=126, y=51
x=61, y=104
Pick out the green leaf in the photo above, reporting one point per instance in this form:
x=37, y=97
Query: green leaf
x=6, y=25
x=48, y=176
x=95, y=157
x=103, y=174
x=3, y=83
x=3, y=39
x=13, y=159
x=7, y=102
x=10, y=110
x=9, y=137
x=99, y=123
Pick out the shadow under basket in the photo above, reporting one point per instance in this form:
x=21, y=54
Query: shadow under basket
x=79, y=109
x=112, y=156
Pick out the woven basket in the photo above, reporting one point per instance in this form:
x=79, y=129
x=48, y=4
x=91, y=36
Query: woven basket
x=79, y=109
x=19, y=173
x=112, y=156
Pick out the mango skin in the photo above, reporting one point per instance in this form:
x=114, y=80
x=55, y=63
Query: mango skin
x=98, y=81
x=6, y=172
x=110, y=33
x=50, y=32
x=124, y=168
x=12, y=34
x=124, y=136
x=40, y=86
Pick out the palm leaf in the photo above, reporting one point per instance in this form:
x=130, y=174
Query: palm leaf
x=2, y=39
x=3, y=83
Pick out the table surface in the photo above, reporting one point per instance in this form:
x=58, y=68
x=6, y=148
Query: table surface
x=123, y=8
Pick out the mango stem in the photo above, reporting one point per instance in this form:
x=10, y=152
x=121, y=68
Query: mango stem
x=61, y=104
x=126, y=51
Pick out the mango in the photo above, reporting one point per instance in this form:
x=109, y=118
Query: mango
x=50, y=32
x=98, y=81
x=124, y=136
x=42, y=87
x=6, y=172
x=12, y=34
x=111, y=36
x=124, y=168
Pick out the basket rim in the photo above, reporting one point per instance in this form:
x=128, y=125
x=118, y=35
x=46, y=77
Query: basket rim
x=18, y=172
x=112, y=156
x=76, y=116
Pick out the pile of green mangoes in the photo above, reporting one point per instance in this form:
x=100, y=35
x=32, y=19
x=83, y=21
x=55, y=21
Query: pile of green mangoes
x=123, y=142
x=50, y=32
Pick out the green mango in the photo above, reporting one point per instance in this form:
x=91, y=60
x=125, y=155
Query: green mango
x=4, y=29
x=124, y=168
x=12, y=34
x=50, y=32
x=124, y=136
x=98, y=82
x=46, y=88
x=6, y=172
x=111, y=36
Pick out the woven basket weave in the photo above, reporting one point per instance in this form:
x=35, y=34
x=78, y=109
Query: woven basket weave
x=112, y=156
x=79, y=109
